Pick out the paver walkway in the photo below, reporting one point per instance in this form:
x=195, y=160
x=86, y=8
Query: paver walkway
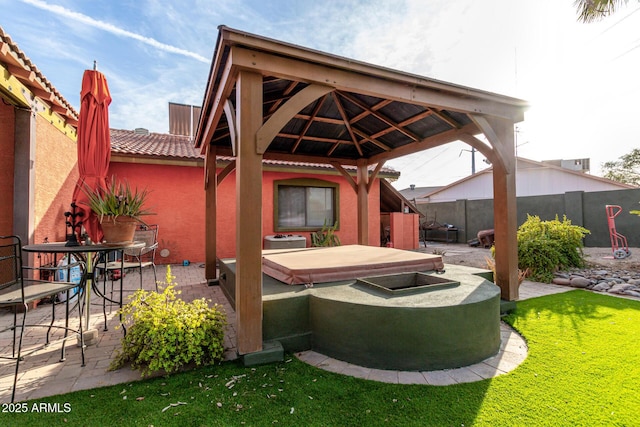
x=41, y=374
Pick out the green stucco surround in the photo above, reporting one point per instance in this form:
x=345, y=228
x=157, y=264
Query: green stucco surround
x=434, y=329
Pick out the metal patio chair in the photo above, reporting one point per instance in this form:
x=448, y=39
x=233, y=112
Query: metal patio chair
x=138, y=256
x=145, y=256
x=18, y=292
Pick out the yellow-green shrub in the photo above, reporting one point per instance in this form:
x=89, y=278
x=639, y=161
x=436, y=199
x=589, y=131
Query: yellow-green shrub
x=545, y=246
x=164, y=333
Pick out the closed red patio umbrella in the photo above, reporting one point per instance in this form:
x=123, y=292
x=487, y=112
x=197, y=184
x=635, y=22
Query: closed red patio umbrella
x=94, y=146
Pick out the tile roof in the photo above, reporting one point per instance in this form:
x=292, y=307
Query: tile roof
x=149, y=144
x=145, y=143
x=21, y=67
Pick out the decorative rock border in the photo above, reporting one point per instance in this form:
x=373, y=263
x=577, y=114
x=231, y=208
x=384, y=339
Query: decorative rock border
x=601, y=279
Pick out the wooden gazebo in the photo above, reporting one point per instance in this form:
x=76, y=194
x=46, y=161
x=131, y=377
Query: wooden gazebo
x=266, y=99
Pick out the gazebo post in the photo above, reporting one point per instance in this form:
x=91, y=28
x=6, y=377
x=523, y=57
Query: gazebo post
x=505, y=228
x=500, y=132
x=211, y=212
x=248, y=214
x=363, y=203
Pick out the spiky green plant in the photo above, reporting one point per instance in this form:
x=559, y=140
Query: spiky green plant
x=118, y=198
x=326, y=236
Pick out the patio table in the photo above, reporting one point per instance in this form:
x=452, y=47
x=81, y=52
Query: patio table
x=89, y=253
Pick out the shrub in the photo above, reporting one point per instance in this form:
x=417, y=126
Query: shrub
x=545, y=246
x=326, y=236
x=166, y=333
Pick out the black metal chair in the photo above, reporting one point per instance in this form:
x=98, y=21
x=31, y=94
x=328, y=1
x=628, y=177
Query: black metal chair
x=138, y=256
x=145, y=256
x=17, y=292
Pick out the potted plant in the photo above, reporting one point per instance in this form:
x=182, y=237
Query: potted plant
x=119, y=208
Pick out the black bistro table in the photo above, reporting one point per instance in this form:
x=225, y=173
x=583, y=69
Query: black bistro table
x=92, y=255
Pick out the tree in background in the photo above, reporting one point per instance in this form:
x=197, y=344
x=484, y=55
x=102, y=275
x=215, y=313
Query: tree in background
x=595, y=10
x=625, y=170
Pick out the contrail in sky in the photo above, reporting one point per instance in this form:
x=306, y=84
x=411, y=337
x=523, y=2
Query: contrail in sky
x=59, y=10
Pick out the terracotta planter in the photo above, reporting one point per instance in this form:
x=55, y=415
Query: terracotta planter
x=118, y=229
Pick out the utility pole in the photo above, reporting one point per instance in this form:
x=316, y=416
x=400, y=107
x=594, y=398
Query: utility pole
x=473, y=159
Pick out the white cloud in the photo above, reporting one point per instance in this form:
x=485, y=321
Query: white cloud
x=87, y=20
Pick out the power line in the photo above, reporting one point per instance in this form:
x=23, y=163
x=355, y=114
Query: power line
x=616, y=23
x=628, y=51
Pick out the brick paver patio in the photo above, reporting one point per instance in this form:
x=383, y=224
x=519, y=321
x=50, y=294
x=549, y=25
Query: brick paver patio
x=42, y=374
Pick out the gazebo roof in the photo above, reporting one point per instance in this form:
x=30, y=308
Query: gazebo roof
x=367, y=111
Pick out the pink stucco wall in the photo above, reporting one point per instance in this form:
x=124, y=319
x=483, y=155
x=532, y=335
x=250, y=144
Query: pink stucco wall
x=178, y=200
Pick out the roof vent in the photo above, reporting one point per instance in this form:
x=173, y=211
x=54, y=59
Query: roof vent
x=412, y=186
x=141, y=131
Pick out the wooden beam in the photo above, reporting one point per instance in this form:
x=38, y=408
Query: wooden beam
x=307, y=125
x=211, y=215
x=276, y=122
x=393, y=125
x=426, y=113
x=374, y=175
x=209, y=105
x=431, y=142
x=363, y=203
x=375, y=142
x=445, y=118
x=504, y=149
x=230, y=113
x=319, y=119
x=500, y=134
x=396, y=87
x=14, y=88
x=248, y=214
x=479, y=145
x=285, y=96
x=213, y=115
x=22, y=73
x=315, y=138
x=231, y=166
x=343, y=114
x=347, y=176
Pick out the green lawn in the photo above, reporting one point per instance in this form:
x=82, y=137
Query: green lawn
x=583, y=368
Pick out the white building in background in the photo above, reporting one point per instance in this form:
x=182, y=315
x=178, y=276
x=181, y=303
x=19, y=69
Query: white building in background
x=532, y=179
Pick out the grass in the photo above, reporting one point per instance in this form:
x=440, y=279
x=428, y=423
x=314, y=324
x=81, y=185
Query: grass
x=583, y=368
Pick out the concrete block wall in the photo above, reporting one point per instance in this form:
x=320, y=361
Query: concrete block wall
x=584, y=209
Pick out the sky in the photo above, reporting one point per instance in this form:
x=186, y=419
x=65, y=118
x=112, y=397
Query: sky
x=581, y=80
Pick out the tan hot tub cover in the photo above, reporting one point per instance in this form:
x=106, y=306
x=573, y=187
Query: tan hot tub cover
x=318, y=265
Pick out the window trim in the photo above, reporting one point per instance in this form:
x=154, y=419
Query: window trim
x=305, y=182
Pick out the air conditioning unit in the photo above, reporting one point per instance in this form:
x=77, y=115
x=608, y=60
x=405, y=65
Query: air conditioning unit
x=579, y=165
x=285, y=241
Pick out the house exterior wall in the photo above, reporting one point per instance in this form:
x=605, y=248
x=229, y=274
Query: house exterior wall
x=543, y=181
x=7, y=137
x=530, y=181
x=56, y=175
x=347, y=224
x=178, y=200
x=477, y=187
x=404, y=230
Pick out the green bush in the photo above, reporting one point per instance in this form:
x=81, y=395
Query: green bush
x=326, y=236
x=165, y=333
x=546, y=246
